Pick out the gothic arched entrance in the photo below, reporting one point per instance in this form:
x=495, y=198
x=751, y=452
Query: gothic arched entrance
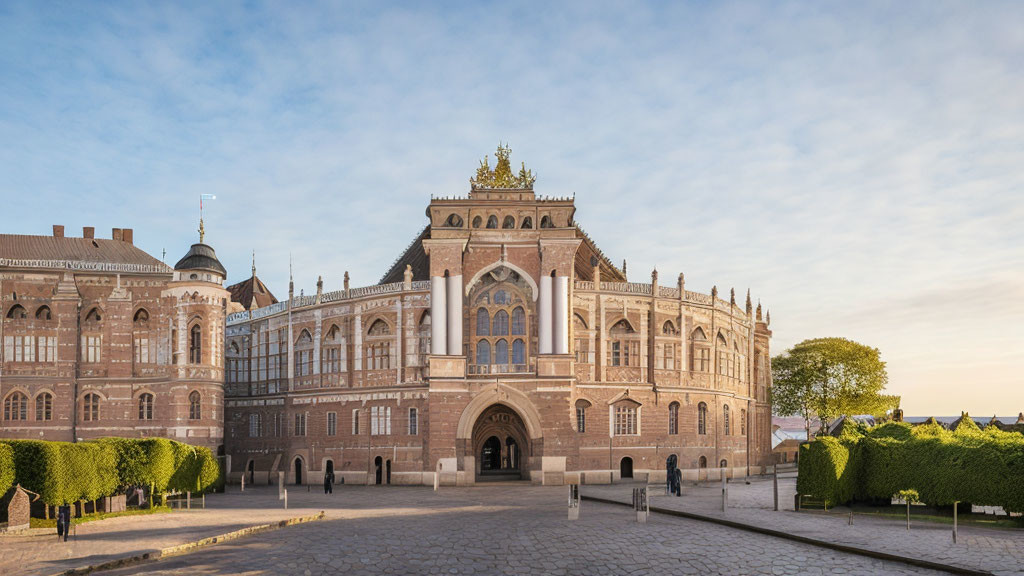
x=499, y=436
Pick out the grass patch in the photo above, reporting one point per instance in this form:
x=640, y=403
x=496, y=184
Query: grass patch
x=52, y=522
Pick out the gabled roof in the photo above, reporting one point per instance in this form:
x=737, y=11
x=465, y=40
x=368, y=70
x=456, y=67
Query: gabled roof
x=413, y=256
x=56, y=249
x=251, y=294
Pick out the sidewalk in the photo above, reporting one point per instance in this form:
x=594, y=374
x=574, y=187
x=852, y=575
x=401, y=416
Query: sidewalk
x=114, y=538
x=987, y=549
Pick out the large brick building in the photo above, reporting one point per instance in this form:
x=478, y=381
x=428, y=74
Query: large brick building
x=501, y=344
x=101, y=339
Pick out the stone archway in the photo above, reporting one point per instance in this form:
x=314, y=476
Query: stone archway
x=499, y=442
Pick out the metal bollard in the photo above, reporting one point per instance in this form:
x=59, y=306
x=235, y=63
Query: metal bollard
x=850, y=523
x=285, y=498
x=725, y=492
x=574, y=501
x=243, y=482
x=437, y=477
x=954, y=520
x=188, y=499
x=775, y=487
x=640, y=505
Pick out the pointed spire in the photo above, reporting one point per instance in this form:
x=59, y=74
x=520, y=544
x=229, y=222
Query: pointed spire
x=714, y=294
x=291, y=279
x=253, y=263
x=768, y=318
x=202, y=230
x=749, y=307
x=759, y=317
x=732, y=296
x=624, y=268
x=654, y=277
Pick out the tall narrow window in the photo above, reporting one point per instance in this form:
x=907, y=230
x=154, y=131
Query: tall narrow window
x=332, y=424
x=44, y=407
x=725, y=419
x=501, y=352
x=518, y=322
x=501, y=323
x=483, y=322
x=519, y=353
x=581, y=415
x=254, y=425
x=195, y=345
x=673, y=418
x=16, y=407
x=380, y=420
x=483, y=352
x=743, y=422
x=355, y=422
x=300, y=424
x=91, y=408
x=146, y=407
x=702, y=418
x=195, y=406
x=414, y=422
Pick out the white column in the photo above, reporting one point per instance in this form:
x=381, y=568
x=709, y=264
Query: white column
x=455, y=315
x=561, y=315
x=396, y=354
x=438, y=316
x=544, y=313
x=357, y=342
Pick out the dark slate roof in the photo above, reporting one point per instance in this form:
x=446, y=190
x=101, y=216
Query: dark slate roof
x=201, y=257
x=52, y=250
x=588, y=250
x=251, y=293
x=414, y=256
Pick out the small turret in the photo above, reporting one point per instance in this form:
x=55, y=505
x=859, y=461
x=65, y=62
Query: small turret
x=749, y=308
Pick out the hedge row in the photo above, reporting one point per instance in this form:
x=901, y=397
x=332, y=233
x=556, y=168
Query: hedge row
x=6, y=469
x=968, y=465
x=62, y=472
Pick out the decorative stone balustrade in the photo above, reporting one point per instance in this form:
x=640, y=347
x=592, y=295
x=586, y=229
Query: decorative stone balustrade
x=300, y=302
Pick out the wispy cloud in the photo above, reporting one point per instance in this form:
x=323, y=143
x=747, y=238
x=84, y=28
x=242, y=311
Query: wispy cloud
x=857, y=165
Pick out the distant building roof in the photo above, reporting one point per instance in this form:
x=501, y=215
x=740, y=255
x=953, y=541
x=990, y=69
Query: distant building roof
x=61, y=252
x=252, y=293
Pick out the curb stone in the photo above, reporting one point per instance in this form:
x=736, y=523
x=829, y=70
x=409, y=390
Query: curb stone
x=189, y=546
x=917, y=562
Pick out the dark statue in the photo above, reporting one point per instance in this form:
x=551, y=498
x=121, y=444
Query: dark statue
x=673, y=476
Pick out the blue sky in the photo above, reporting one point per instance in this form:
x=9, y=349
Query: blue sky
x=857, y=165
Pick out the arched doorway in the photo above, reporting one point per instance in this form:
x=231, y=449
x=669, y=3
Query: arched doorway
x=330, y=467
x=499, y=436
x=378, y=470
x=298, y=471
x=626, y=468
x=387, y=472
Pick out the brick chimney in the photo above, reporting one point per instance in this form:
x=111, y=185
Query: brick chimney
x=88, y=232
x=58, y=231
x=115, y=233
x=126, y=235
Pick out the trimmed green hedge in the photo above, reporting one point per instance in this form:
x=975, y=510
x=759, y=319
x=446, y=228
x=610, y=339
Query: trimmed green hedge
x=983, y=467
x=62, y=472
x=6, y=468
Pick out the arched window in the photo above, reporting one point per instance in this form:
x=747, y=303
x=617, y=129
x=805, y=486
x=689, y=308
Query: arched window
x=44, y=407
x=669, y=329
x=483, y=352
x=518, y=322
x=624, y=345
x=146, y=406
x=545, y=222
x=700, y=353
x=519, y=352
x=93, y=315
x=673, y=418
x=702, y=462
x=195, y=344
x=44, y=313
x=423, y=338
x=16, y=406
x=500, y=323
x=501, y=352
x=625, y=418
x=331, y=361
x=492, y=221
x=453, y=221
x=509, y=222
x=527, y=223
x=581, y=415
x=483, y=323
x=142, y=352
x=743, y=422
x=378, y=346
x=477, y=222
x=724, y=463
x=725, y=419
x=141, y=316
x=91, y=408
x=379, y=328
x=702, y=418
x=304, y=354
x=195, y=406
x=17, y=312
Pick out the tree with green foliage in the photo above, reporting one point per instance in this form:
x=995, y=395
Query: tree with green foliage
x=825, y=378
x=6, y=468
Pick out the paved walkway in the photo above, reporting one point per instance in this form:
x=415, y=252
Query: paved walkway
x=1000, y=551
x=504, y=530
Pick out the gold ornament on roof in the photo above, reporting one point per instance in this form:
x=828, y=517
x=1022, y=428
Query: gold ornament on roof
x=501, y=177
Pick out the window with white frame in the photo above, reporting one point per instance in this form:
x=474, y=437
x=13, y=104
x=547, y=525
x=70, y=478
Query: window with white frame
x=300, y=424
x=625, y=419
x=414, y=422
x=20, y=348
x=254, y=425
x=91, y=347
x=380, y=420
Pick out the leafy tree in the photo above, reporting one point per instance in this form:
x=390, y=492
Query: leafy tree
x=825, y=378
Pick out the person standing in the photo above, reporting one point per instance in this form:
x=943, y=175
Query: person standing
x=63, y=521
x=329, y=482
